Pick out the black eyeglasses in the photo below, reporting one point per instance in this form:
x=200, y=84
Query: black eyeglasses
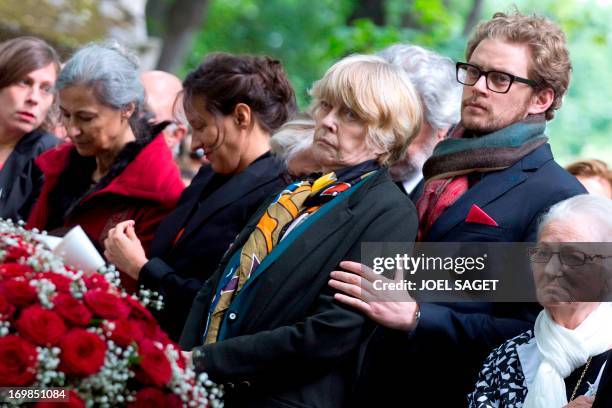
x=567, y=256
x=496, y=81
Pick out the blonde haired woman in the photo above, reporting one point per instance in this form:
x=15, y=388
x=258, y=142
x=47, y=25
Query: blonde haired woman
x=266, y=324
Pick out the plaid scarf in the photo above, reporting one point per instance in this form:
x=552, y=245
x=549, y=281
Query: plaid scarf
x=446, y=171
x=292, y=206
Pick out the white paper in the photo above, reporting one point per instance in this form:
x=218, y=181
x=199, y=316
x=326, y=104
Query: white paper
x=51, y=241
x=76, y=249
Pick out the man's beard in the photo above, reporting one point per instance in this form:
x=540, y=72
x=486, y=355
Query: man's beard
x=410, y=167
x=493, y=125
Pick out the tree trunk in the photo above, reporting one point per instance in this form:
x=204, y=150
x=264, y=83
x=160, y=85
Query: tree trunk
x=473, y=17
x=184, y=18
x=372, y=9
x=409, y=19
x=155, y=11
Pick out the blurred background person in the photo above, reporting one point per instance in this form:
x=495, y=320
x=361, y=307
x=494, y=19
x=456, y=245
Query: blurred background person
x=595, y=176
x=293, y=144
x=433, y=76
x=161, y=92
x=189, y=161
x=28, y=71
x=233, y=104
x=54, y=122
x=562, y=358
x=114, y=169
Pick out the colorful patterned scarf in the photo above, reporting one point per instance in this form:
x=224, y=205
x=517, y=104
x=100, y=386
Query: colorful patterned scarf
x=453, y=159
x=292, y=206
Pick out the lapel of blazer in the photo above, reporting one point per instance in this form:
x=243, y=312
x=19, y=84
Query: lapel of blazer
x=170, y=226
x=257, y=174
x=492, y=186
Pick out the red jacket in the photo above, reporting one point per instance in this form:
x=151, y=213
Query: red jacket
x=145, y=191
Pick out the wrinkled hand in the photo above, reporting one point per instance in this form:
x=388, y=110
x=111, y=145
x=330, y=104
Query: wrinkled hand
x=394, y=309
x=581, y=402
x=124, y=250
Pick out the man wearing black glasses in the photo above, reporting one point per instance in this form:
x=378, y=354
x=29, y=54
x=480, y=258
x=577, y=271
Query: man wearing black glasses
x=496, y=174
x=490, y=180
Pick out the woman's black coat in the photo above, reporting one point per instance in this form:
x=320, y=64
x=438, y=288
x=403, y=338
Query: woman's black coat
x=295, y=346
x=20, y=179
x=178, y=270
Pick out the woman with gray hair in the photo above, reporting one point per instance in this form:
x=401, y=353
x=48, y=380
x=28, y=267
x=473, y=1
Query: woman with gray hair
x=116, y=168
x=560, y=362
x=433, y=77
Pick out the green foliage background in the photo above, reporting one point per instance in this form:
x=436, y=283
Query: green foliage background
x=308, y=36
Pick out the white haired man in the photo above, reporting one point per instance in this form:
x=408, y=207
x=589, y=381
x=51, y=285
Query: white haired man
x=433, y=76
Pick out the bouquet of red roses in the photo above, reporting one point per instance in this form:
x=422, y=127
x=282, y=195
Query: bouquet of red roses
x=60, y=327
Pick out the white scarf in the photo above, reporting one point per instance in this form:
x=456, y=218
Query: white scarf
x=562, y=351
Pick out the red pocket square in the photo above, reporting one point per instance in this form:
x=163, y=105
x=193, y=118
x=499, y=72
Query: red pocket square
x=478, y=216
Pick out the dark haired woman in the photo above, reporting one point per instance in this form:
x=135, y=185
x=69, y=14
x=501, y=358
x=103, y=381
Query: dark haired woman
x=114, y=170
x=266, y=324
x=28, y=71
x=233, y=103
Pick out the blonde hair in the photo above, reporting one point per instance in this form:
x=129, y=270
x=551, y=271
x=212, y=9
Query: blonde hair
x=550, y=64
x=381, y=95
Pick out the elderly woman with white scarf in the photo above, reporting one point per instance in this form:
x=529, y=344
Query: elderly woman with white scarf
x=560, y=362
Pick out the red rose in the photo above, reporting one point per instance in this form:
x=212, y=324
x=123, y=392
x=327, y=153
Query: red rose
x=15, y=253
x=96, y=281
x=17, y=361
x=19, y=292
x=74, y=401
x=173, y=401
x=126, y=332
x=6, y=309
x=106, y=305
x=13, y=270
x=154, y=398
x=138, y=311
x=154, y=367
x=82, y=352
x=62, y=283
x=72, y=309
x=40, y=325
x=143, y=318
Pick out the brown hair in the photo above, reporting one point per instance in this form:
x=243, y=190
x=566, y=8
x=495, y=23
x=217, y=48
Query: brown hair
x=591, y=168
x=22, y=55
x=550, y=65
x=225, y=80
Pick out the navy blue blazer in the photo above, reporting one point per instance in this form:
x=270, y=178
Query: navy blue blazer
x=211, y=224
x=515, y=198
x=452, y=340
